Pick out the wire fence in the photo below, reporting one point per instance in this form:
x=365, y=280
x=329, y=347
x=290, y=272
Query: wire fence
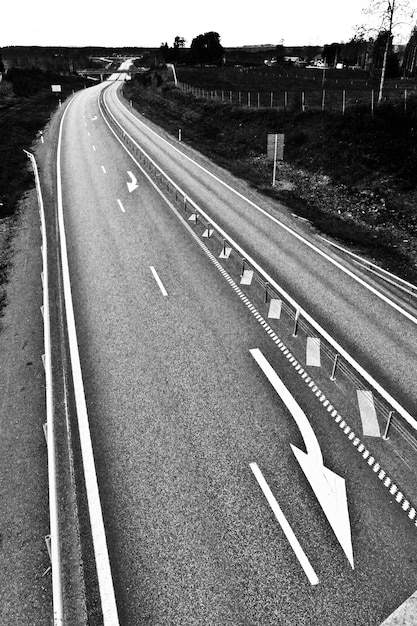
x=311, y=100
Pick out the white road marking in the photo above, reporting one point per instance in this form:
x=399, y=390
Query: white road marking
x=246, y=278
x=358, y=368
x=105, y=580
x=275, y=307
x=132, y=184
x=94, y=148
x=313, y=352
x=328, y=487
x=378, y=270
x=367, y=411
x=283, y=226
x=288, y=532
x=121, y=205
x=158, y=280
x=104, y=169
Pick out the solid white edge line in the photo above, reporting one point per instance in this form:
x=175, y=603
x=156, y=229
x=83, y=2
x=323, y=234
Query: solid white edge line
x=57, y=598
x=359, y=369
x=158, y=280
x=367, y=262
x=107, y=596
x=288, y=532
x=283, y=226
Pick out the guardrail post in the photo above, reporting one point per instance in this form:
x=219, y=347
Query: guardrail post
x=243, y=267
x=185, y=203
x=297, y=315
x=333, y=376
x=385, y=435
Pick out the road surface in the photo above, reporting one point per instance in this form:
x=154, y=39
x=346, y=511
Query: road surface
x=180, y=411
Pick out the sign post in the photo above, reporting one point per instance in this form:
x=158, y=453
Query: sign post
x=275, y=151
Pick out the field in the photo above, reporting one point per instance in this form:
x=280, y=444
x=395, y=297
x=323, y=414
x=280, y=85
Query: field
x=353, y=175
x=293, y=88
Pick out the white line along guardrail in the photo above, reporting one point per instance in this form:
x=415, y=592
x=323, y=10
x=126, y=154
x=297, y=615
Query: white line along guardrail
x=57, y=601
x=125, y=137
x=105, y=580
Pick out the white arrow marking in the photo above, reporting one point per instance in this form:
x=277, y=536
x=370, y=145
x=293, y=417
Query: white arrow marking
x=133, y=183
x=93, y=119
x=329, y=488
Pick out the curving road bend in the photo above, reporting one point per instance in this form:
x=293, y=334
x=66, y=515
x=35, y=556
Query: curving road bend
x=179, y=410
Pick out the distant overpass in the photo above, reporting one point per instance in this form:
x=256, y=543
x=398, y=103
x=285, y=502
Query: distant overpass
x=103, y=72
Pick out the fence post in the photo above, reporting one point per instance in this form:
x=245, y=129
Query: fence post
x=343, y=101
x=259, y=100
x=372, y=102
x=303, y=103
x=385, y=435
x=272, y=99
x=248, y=98
x=333, y=376
x=405, y=99
x=230, y=97
x=297, y=315
x=323, y=98
x=285, y=100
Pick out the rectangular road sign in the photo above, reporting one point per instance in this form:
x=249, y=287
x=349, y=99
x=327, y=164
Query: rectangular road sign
x=56, y=88
x=275, y=146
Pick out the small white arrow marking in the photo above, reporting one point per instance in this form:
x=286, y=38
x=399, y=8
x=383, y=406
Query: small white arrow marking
x=329, y=488
x=93, y=119
x=133, y=183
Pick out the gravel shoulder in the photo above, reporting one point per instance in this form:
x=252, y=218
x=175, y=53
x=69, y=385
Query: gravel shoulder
x=24, y=576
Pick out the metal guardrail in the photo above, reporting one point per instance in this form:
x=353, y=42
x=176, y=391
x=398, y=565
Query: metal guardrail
x=53, y=540
x=345, y=363
x=295, y=324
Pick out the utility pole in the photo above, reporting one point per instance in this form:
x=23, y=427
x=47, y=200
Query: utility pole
x=390, y=11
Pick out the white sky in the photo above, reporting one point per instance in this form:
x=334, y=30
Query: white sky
x=135, y=23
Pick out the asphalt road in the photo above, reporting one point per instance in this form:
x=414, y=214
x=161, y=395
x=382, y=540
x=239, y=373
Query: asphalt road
x=179, y=409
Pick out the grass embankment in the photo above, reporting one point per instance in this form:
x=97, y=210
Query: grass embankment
x=26, y=104
x=353, y=176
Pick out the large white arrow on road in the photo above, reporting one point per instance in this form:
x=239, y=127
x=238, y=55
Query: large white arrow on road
x=329, y=488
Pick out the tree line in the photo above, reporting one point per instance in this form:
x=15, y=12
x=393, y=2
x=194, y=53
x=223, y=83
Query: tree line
x=205, y=49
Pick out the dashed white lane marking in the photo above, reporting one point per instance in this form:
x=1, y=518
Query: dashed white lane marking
x=288, y=532
x=104, y=169
x=94, y=148
x=159, y=281
x=119, y=202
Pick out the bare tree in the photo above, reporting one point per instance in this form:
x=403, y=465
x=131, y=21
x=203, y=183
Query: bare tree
x=392, y=14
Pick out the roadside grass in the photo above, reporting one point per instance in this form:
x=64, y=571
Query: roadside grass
x=26, y=104
x=354, y=176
